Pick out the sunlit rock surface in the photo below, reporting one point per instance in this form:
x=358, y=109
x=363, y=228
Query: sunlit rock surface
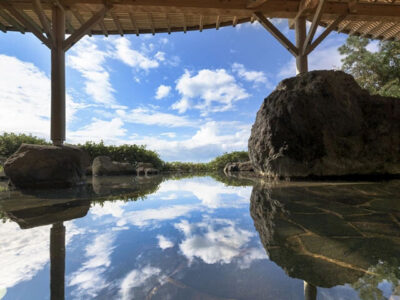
x=330, y=234
x=322, y=123
x=40, y=166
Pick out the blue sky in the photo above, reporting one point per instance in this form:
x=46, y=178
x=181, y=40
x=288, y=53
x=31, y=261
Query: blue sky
x=189, y=96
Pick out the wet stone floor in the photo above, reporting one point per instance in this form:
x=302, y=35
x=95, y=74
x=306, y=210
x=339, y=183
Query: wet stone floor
x=203, y=237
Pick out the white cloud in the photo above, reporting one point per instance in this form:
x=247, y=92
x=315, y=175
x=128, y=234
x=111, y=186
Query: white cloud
x=111, y=132
x=211, y=139
x=217, y=192
x=164, y=243
x=162, y=91
x=132, y=57
x=89, y=60
x=25, y=98
x=169, y=134
x=373, y=46
x=215, y=90
x=136, y=278
x=257, y=77
x=160, y=56
x=89, y=279
x=219, y=240
x=325, y=57
x=148, y=116
x=23, y=253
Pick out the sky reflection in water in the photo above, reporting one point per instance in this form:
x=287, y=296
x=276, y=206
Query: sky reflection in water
x=193, y=238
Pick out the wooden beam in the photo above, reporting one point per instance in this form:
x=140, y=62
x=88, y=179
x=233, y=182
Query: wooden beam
x=184, y=23
x=306, y=7
x=218, y=22
x=301, y=33
x=201, y=23
x=3, y=28
x=12, y=21
x=26, y=22
x=85, y=28
x=255, y=3
x=324, y=34
x=276, y=33
x=314, y=25
x=168, y=23
x=70, y=28
x=134, y=24
x=117, y=23
x=37, y=6
x=235, y=20
x=153, y=29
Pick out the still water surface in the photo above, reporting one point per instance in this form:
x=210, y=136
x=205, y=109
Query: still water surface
x=201, y=238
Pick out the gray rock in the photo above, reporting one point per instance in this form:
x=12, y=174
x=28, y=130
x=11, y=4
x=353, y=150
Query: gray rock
x=239, y=167
x=323, y=124
x=103, y=165
x=38, y=166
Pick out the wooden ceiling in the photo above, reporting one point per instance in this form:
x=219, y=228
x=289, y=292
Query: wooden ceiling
x=378, y=19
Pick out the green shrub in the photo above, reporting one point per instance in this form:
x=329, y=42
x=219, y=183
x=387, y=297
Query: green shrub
x=10, y=142
x=123, y=153
x=220, y=162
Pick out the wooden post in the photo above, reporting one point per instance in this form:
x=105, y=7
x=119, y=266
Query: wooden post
x=58, y=77
x=57, y=261
x=301, y=33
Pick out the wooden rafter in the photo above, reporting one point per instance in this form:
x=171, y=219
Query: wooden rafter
x=117, y=23
x=68, y=24
x=305, y=7
x=234, y=21
x=218, y=22
x=255, y=3
x=21, y=17
x=43, y=19
x=152, y=26
x=134, y=24
x=314, y=25
x=184, y=23
x=3, y=28
x=324, y=34
x=12, y=21
x=78, y=34
x=276, y=33
x=201, y=23
x=168, y=23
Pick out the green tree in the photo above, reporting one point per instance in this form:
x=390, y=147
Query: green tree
x=378, y=72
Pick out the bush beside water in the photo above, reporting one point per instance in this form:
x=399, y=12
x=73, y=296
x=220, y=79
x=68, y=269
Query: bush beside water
x=10, y=142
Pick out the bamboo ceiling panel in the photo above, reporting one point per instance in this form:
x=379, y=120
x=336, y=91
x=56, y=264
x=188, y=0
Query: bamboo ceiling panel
x=378, y=19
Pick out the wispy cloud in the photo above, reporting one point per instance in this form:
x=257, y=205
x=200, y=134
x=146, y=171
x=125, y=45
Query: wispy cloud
x=257, y=77
x=25, y=98
x=149, y=116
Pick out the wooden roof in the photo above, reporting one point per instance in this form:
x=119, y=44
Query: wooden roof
x=378, y=19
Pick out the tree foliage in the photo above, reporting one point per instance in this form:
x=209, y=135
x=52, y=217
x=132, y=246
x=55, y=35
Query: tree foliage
x=220, y=162
x=10, y=142
x=378, y=72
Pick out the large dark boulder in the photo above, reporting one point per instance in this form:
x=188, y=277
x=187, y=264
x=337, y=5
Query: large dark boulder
x=322, y=123
x=39, y=166
x=103, y=165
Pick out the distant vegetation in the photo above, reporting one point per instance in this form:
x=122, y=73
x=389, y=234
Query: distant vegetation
x=216, y=164
x=124, y=153
x=378, y=71
x=10, y=142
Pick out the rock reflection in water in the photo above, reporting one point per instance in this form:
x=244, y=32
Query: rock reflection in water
x=30, y=209
x=332, y=234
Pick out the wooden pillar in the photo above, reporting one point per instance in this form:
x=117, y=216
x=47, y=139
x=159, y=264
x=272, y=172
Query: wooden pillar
x=58, y=77
x=310, y=291
x=301, y=33
x=57, y=261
